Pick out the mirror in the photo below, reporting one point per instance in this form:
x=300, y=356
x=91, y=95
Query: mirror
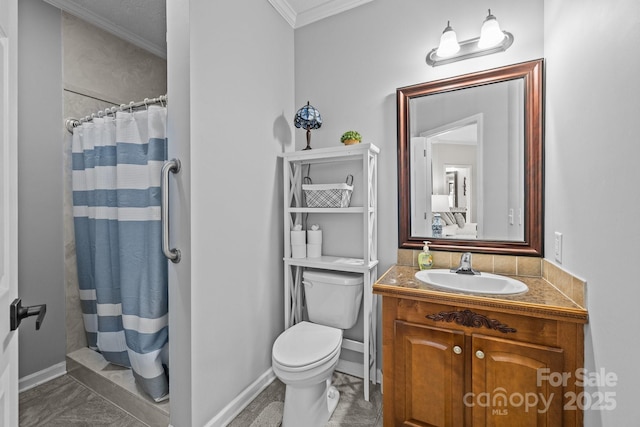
x=470, y=153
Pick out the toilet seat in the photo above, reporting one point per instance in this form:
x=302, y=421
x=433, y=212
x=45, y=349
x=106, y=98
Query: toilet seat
x=305, y=346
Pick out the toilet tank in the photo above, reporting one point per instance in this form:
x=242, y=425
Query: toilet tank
x=333, y=298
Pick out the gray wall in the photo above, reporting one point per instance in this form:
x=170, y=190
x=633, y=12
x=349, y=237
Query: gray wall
x=231, y=75
x=179, y=129
x=592, y=154
x=40, y=233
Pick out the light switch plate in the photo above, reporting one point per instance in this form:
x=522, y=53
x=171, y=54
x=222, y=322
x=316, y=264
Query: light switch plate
x=558, y=247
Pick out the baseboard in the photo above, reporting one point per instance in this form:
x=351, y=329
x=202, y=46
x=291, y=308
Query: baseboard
x=243, y=400
x=40, y=377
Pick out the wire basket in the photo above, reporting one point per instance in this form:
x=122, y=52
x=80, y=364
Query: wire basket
x=328, y=195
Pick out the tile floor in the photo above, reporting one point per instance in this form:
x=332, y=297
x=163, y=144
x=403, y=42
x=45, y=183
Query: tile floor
x=117, y=385
x=352, y=410
x=65, y=401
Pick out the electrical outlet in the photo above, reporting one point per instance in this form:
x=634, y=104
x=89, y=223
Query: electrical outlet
x=558, y=247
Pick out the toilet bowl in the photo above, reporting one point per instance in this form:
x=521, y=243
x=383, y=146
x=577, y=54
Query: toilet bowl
x=305, y=356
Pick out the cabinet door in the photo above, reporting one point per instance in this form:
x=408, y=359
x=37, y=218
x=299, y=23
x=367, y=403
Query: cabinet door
x=511, y=384
x=429, y=376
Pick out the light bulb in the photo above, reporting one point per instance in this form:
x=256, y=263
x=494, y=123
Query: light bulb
x=490, y=34
x=448, y=43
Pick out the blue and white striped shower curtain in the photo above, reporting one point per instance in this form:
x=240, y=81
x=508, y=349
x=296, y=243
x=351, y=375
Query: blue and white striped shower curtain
x=122, y=272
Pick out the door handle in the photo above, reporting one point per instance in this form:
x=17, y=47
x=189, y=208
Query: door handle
x=17, y=312
x=172, y=166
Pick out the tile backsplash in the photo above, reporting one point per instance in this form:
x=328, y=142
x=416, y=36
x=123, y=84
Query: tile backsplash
x=510, y=265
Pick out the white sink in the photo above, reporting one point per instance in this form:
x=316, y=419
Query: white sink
x=485, y=283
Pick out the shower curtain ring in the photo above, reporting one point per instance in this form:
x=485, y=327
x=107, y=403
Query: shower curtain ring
x=131, y=104
x=71, y=123
x=146, y=100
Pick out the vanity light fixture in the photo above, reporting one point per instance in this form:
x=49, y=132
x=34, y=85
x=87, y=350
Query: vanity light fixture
x=492, y=40
x=308, y=117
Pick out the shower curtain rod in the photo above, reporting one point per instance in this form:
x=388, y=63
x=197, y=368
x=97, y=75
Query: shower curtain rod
x=71, y=122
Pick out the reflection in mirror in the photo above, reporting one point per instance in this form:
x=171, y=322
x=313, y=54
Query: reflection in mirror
x=470, y=159
x=470, y=153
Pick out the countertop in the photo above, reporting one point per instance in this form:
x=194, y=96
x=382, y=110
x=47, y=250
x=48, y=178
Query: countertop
x=542, y=299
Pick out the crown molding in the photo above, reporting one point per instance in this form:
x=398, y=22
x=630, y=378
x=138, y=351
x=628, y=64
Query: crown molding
x=284, y=8
x=301, y=18
x=108, y=26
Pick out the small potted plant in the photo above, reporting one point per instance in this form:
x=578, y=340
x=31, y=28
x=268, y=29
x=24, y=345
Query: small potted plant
x=351, y=137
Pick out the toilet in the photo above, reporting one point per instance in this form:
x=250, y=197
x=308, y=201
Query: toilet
x=305, y=355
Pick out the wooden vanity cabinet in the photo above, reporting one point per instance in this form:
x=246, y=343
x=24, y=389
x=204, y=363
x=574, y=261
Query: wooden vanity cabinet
x=428, y=376
x=455, y=366
x=508, y=371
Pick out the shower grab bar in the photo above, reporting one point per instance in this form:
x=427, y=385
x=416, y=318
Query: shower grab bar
x=172, y=166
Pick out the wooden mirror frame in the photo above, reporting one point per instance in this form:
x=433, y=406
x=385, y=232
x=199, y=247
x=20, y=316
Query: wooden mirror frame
x=532, y=245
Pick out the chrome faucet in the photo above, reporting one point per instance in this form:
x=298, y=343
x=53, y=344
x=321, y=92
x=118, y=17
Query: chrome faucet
x=465, y=265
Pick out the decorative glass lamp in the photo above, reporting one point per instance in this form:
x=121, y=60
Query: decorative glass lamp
x=308, y=118
x=439, y=203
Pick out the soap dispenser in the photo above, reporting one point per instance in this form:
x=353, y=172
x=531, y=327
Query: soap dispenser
x=425, y=259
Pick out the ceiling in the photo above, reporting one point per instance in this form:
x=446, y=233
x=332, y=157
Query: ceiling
x=144, y=22
x=141, y=22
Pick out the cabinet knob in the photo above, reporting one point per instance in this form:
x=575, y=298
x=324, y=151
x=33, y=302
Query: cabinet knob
x=480, y=354
x=457, y=349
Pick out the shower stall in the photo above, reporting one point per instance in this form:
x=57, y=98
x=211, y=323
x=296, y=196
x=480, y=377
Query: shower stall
x=115, y=270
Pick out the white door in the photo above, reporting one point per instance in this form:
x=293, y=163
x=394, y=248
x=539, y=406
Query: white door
x=8, y=211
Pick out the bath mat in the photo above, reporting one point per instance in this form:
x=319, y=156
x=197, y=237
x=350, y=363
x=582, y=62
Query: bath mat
x=271, y=416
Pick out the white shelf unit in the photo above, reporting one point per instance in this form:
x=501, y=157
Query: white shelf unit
x=367, y=265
